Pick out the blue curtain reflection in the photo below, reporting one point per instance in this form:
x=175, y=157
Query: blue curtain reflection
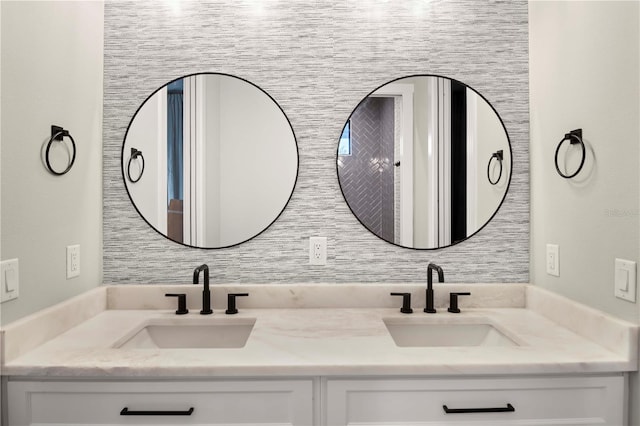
x=174, y=141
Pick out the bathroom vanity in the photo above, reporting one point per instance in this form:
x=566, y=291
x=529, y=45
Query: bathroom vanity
x=565, y=399
x=319, y=355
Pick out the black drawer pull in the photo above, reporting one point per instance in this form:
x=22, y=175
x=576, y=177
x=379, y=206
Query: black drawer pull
x=125, y=412
x=508, y=409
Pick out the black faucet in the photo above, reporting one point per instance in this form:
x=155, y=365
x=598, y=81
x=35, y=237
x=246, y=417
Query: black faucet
x=453, y=302
x=206, y=294
x=406, y=302
x=430, y=309
x=231, y=302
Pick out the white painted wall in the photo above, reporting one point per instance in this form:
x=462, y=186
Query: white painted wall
x=212, y=153
x=258, y=161
x=423, y=189
x=634, y=391
x=585, y=73
x=52, y=56
x=3, y=416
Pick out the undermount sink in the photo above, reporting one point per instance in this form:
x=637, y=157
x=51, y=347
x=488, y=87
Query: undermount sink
x=188, y=333
x=424, y=333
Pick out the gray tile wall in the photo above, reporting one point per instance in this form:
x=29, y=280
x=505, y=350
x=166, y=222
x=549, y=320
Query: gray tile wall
x=317, y=59
x=366, y=176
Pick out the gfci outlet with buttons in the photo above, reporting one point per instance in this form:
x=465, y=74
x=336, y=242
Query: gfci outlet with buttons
x=625, y=279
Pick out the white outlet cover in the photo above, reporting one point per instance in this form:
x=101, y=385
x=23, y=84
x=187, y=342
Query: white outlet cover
x=317, y=250
x=625, y=280
x=9, y=279
x=73, y=261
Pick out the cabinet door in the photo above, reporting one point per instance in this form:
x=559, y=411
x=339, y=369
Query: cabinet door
x=540, y=401
x=241, y=402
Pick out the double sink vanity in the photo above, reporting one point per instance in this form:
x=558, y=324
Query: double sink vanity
x=200, y=333
x=318, y=354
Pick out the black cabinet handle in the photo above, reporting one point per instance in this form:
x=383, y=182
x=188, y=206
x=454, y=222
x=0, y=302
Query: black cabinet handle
x=508, y=409
x=125, y=412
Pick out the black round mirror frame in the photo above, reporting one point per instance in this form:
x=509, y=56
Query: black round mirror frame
x=509, y=171
x=223, y=75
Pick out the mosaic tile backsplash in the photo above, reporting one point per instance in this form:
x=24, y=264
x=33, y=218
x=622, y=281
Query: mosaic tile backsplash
x=317, y=59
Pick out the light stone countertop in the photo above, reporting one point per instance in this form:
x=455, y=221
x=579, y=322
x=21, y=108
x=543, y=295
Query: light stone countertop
x=314, y=341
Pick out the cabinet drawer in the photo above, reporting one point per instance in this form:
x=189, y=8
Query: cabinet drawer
x=539, y=401
x=286, y=402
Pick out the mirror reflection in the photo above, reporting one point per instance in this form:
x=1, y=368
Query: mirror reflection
x=210, y=160
x=424, y=162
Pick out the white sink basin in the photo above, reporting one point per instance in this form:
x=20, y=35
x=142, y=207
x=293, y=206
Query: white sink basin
x=189, y=333
x=423, y=333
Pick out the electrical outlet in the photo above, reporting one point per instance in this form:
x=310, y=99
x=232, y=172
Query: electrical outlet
x=73, y=261
x=553, y=259
x=10, y=279
x=317, y=250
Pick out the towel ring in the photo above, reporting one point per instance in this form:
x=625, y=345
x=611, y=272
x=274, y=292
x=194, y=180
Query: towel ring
x=498, y=155
x=135, y=154
x=58, y=134
x=574, y=137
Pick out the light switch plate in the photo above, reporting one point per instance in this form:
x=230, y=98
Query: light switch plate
x=625, y=280
x=9, y=280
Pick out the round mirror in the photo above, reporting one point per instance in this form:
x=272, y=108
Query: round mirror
x=209, y=160
x=424, y=162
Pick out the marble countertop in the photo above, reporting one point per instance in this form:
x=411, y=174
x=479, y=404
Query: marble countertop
x=323, y=341
x=309, y=340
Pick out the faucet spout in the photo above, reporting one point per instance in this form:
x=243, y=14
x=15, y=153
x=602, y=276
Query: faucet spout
x=432, y=267
x=206, y=294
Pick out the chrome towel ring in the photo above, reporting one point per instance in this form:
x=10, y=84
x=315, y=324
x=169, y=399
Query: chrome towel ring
x=58, y=134
x=499, y=156
x=574, y=137
x=135, y=154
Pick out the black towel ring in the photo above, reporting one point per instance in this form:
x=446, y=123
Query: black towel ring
x=135, y=154
x=498, y=155
x=574, y=137
x=58, y=134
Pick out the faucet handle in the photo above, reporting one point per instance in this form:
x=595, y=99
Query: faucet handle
x=406, y=302
x=231, y=302
x=453, y=302
x=182, y=303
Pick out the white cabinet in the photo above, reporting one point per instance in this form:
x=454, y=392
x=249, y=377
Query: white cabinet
x=536, y=400
x=233, y=402
x=588, y=400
